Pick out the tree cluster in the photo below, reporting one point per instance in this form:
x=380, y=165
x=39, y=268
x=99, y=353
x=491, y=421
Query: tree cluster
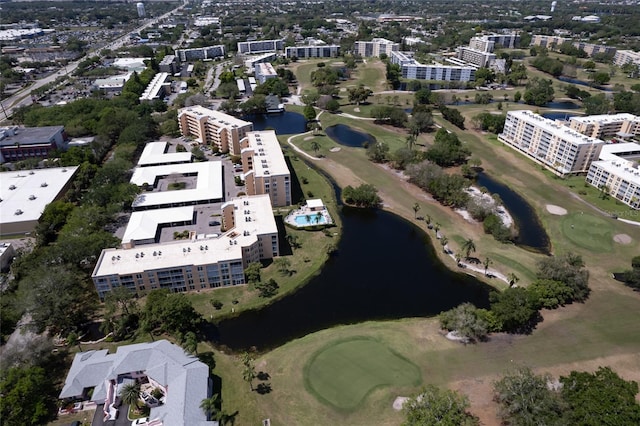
x=446, y=188
x=452, y=115
x=539, y=92
x=447, y=150
x=548, y=65
x=365, y=196
x=632, y=276
x=493, y=123
x=385, y=114
x=434, y=406
x=582, y=398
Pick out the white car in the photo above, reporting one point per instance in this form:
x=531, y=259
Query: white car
x=140, y=422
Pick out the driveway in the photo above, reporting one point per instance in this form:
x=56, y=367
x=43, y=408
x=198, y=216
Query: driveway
x=120, y=421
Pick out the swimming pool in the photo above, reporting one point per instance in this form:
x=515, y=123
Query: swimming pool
x=313, y=219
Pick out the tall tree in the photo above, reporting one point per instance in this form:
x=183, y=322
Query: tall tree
x=211, y=406
x=433, y=407
x=416, y=209
x=130, y=394
x=468, y=247
x=26, y=397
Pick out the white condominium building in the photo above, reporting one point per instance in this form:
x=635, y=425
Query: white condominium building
x=594, y=49
x=414, y=70
x=251, y=234
x=550, y=42
x=323, y=51
x=264, y=167
x=209, y=52
x=625, y=57
x=479, y=58
x=376, y=47
x=264, y=71
x=617, y=172
x=606, y=126
x=559, y=148
x=260, y=46
x=213, y=128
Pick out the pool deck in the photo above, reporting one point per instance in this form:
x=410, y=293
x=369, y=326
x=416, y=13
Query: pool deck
x=306, y=211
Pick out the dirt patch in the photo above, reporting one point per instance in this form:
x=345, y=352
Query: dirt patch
x=622, y=239
x=556, y=210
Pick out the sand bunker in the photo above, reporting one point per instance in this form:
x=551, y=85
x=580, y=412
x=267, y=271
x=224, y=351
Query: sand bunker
x=622, y=239
x=308, y=138
x=399, y=402
x=557, y=210
x=335, y=149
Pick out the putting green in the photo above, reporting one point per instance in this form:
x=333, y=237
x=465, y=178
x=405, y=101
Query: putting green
x=344, y=372
x=589, y=232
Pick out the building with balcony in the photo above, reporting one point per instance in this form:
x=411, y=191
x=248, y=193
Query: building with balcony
x=412, y=69
x=200, y=53
x=213, y=128
x=559, y=148
x=478, y=58
x=305, y=52
x=375, y=47
x=550, y=42
x=594, y=49
x=606, y=126
x=169, y=64
x=158, y=88
x=264, y=168
x=617, y=172
x=250, y=235
x=623, y=57
x=260, y=46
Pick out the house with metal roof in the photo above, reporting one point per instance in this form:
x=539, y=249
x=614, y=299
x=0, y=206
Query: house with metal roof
x=181, y=377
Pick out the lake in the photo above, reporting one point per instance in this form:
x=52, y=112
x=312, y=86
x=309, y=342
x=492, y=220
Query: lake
x=347, y=136
x=284, y=123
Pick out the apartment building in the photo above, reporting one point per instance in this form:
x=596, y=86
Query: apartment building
x=158, y=88
x=213, y=128
x=617, y=171
x=251, y=235
x=606, y=126
x=375, y=47
x=414, y=70
x=169, y=64
x=264, y=71
x=507, y=41
x=260, y=46
x=303, y=52
x=623, y=57
x=559, y=148
x=550, y=42
x=594, y=49
x=197, y=53
x=483, y=44
x=20, y=143
x=476, y=57
x=264, y=167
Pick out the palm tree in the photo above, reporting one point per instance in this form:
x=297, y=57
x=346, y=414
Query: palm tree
x=308, y=217
x=210, y=406
x=513, y=279
x=427, y=219
x=248, y=374
x=190, y=343
x=315, y=146
x=436, y=227
x=130, y=394
x=444, y=241
x=486, y=264
x=318, y=217
x=458, y=258
x=416, y=209
x=469, y=247
x=411, y=140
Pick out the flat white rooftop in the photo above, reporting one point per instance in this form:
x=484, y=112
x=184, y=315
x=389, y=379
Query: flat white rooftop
x=268, y=158
x=144, y=225
x=218, y=117
x=152, y=90
x=251, y=220
x=208, y=184
x=29, y=191
x=624, y=169
x=605, y=118
x=552, y=127
x=154, y=154
x=616, y=151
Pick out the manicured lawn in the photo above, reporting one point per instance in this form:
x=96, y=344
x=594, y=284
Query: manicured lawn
x=588, y=231
x=344, y=372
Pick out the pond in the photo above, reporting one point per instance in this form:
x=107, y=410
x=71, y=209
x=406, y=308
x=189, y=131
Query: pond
x=562, y=105
x=559, y=115
x=385, y=268
x=582, y=83
x=531, y=233
x=347, y=136
x=284, y=123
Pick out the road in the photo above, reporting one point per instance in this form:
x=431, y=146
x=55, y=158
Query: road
x=23, y=97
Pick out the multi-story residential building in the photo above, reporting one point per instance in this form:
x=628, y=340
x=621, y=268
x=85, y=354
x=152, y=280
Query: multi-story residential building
x=483, y=44
x=559, y=148
x=594, y=49
x=617, y=172
x=476, y=57
x=623, y=57
x=508, y=41
x=250, y=235
x=20, y=143
x=213, y=128
x=169, y=64
x=196, y=53
x=260, y=46
x=550, y=42
x=606, y=126
x=264, y=71
x=264, y=167
x=158, y=88
x=375, y=47
x=251, y=61
x=303, y=52
x=414, y=70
